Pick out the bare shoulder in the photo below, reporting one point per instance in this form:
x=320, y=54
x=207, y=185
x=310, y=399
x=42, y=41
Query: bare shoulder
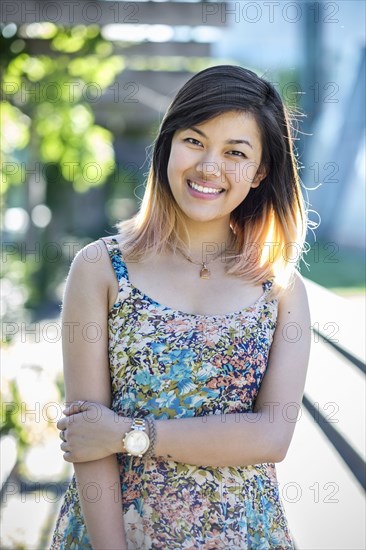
x=295, y=299
x=91, y=259
x=91, y=271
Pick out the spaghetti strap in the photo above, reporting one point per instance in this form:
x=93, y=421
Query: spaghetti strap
x=116, y=258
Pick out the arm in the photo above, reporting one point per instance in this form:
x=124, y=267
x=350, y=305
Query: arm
x=262, y=436
x=86, y=371
x=230, y=439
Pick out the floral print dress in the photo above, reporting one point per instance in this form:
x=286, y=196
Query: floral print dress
x=177, y=365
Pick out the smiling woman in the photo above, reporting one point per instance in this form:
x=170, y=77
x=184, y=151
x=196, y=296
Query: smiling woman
x=184, y=396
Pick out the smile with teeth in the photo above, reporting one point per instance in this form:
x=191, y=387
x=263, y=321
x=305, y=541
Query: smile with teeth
x=208, y=190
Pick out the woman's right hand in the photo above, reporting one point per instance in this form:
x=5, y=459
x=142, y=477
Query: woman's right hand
x=91, y=431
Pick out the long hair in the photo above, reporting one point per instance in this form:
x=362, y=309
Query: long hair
x=269, y=226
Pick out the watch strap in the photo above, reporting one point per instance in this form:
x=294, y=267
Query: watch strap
x=138, y=424
x=152, y=436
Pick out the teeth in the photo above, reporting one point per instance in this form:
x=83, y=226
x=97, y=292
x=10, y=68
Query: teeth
x=204, y=189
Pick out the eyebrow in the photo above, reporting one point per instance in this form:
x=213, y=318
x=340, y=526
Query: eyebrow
x=229, y=141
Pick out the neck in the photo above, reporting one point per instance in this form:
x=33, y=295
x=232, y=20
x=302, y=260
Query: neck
x=207, y=239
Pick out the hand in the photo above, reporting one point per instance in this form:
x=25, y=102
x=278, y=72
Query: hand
x=91, y=431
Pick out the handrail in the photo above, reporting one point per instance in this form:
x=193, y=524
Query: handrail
x=331, y=309
x=353, y=460
x=349, y=356
x=333, y=314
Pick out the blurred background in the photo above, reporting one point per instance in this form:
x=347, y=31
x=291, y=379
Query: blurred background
x=84, y=88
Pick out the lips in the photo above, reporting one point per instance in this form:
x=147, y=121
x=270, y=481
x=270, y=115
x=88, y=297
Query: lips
x=205, y=188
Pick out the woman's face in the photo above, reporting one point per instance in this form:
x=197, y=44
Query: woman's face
x=222, y=154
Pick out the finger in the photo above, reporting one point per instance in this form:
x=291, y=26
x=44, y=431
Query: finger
x=72, y=408
x=76, y=407
x=65, y=446
x=62, y=423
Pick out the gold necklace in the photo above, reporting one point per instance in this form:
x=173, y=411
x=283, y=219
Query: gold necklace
x=205, y=273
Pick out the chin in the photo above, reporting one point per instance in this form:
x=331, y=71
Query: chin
x=200, y=218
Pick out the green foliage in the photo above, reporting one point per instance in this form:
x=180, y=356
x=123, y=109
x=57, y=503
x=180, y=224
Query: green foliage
x=46, y=104
x=48, y=125
x=11, y=419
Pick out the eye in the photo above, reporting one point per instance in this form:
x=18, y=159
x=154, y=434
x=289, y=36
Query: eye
x=237, y=154
x=192, y=141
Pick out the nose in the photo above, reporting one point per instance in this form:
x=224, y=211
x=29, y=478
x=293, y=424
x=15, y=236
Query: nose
x=209, y=166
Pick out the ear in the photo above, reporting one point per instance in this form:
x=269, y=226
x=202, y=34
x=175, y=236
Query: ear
x=260, y=175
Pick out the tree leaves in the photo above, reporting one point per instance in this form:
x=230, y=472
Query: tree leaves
x=47, y=107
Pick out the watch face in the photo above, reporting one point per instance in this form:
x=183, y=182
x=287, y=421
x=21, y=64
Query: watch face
x=137, y=442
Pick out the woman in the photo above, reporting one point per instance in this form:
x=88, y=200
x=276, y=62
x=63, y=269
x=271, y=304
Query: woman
x=191, y=336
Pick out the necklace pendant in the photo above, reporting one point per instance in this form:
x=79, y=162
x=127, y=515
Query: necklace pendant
x=205, y=273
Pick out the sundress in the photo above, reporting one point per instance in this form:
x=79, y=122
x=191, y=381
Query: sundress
x=177, y=365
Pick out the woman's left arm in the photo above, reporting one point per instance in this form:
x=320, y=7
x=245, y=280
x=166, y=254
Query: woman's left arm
x=263, y=435
x=232, y=439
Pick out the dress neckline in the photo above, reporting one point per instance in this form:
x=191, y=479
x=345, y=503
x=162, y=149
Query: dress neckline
x=178, y=312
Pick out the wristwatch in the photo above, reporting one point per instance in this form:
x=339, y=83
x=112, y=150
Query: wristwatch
x=136, y=442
